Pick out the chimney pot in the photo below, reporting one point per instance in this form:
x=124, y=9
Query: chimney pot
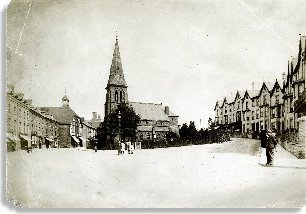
x=167, y=110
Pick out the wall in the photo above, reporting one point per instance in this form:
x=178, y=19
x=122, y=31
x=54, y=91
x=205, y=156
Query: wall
x=64, y=136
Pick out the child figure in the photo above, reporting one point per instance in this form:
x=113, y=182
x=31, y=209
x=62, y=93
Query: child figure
x=131, y=148
x=122, y=148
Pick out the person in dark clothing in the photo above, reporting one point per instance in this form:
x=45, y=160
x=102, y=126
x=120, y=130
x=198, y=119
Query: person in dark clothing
x=271, y=145
x=263, y=138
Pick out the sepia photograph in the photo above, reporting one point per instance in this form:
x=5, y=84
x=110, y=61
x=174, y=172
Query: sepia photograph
x=154, y=103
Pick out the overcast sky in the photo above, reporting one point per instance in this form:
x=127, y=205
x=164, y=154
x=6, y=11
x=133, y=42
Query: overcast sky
x=184, y=54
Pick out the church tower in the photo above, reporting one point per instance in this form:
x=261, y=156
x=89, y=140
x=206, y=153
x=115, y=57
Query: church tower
x=116, y=89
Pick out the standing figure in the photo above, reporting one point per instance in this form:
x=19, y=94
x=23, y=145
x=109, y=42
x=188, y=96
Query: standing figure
x=122, y=147
x=263, y=142
x=132, y=148
x=128, y=147
x=271, y=145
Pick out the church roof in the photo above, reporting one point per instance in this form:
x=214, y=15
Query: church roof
x=151, y=111
x=116, y=76
x=64, y=115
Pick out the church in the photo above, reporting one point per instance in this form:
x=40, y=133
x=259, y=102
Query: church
x=156, y=120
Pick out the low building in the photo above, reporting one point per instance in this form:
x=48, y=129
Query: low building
x=70, y=130
x=156, y=120
x=88, y=132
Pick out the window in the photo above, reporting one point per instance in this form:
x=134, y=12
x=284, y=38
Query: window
x=141, y=136
x=264, y=99
x=120, y=96
x=276, y=99
x=148, y=135
x=246, y=104
x=116, y=96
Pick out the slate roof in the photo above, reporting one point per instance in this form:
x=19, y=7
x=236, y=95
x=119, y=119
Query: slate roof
x=151, y=111
x=64, y=115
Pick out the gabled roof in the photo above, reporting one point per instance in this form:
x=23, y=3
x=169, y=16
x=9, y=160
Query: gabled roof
x=151, y=111
x=230, y=98
x=218, y=103
x=267, y=85
x=239, y=94
x=64, y=115
x=276, y=85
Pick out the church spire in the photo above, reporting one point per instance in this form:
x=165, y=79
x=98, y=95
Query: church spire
x=116, y=76
x=116, y=89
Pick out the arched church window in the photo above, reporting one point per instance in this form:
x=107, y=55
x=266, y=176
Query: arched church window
x=116, y=96
x=120, y=96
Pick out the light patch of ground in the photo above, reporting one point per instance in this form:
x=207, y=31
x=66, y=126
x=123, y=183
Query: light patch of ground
x=214, y=175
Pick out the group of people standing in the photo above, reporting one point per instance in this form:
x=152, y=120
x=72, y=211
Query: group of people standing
x=268, y=142
x=122, y=147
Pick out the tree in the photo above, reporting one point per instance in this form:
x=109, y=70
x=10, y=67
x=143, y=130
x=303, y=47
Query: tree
x=171, y=135
x=192, y=130
x=109, y=128
x=211, y=124
x=184, y=131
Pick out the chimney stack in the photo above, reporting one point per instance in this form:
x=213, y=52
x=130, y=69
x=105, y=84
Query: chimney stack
x=99, y=117
x=253, y=85
x=94, y=115
x=167, y=110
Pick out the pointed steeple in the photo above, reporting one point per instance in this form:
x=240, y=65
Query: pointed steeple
x=116, y=76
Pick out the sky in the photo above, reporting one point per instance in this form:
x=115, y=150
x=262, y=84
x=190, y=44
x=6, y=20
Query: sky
x=184, y=54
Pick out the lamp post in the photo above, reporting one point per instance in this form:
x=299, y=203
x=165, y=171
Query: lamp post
x=119, y=119
x=119, y=143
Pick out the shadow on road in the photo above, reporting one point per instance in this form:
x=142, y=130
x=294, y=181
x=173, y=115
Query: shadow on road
x=238, y=145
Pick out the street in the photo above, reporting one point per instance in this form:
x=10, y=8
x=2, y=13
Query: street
x=201, y=176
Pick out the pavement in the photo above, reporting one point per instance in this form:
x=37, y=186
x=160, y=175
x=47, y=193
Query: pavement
x=227, y=175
